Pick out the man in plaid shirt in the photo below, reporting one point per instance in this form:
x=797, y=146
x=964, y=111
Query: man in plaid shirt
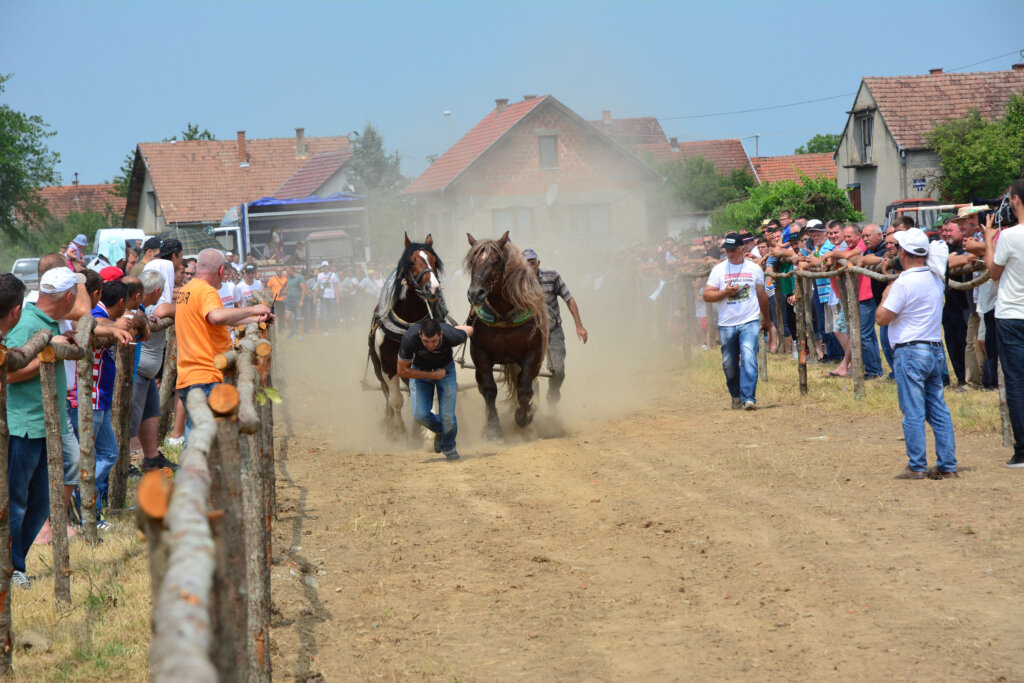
x=553, y=286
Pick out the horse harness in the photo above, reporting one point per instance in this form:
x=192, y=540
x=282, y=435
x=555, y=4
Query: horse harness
x=491, y=318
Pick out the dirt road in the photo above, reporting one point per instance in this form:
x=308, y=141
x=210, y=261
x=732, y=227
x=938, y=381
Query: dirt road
x=679, y=540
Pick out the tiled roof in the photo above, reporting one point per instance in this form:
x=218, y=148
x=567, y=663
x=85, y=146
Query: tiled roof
x=63, y=199
x=789, y=166
x=912, y=105
x=725, y=155
x=200, y=180
x=313, y=174
x=644, y=130
x=470, y=146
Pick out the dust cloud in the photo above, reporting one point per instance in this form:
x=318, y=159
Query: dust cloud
x=330, y=391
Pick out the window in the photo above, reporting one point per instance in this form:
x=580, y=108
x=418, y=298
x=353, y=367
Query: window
x=590, y=220
x=154, y=205
x=548, y=151
x=519, y=222
x=864, y=125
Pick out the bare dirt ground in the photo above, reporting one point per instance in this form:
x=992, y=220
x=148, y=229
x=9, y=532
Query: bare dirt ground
x=656, y=535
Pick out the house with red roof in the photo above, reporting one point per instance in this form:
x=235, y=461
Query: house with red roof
x=725, y=155
x=642, y=130
x=194, y=183
x=790, y=166
x=539, y=170
x=62, y=200
x=883, y=154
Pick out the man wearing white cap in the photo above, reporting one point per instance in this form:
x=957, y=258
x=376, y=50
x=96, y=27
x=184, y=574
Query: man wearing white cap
x=912, y=308
x=327, y=288
x=28, y=482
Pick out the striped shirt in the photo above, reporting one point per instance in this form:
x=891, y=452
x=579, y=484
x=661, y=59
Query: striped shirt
x=103, y=371
x=553, y=286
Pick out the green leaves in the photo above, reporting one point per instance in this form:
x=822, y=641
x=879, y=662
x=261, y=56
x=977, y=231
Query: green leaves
x=820, y=144
x=817, y=198
x=268, y=394
x=695, y=185
x=980, y=158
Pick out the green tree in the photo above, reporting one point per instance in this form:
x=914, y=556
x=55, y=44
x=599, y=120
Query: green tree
x=979, y=158
x=123, y=179
x=26, y=164
x=54, y=233
x=694, y=184
x=817, y=198
x=374, y=172
x=819, y=144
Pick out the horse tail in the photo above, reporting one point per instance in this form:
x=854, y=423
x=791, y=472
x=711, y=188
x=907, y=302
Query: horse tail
x=511, y=382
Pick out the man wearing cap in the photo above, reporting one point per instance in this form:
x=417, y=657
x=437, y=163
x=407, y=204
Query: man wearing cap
x=169, y=262
x=738, y=284
x=327, y=287
x=912, y=308
x=76, y=251
x=249, y=285
x=553, y=286
x=28, y=481
x=150, y=250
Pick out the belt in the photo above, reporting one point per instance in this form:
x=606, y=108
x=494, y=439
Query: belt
x=916, y=343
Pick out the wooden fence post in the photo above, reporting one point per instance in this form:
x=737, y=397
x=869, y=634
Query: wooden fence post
x=780, y=319
x=86, y=433
x=167, y=390
x=1004, y=410
x=264, y=350
x=117, y=493
x=153, y=496
x=853, y=321
x=686, y=315
x=709, y=311
x=230, y=587
x=55, y=466
x=810, y=293
x=798, y=304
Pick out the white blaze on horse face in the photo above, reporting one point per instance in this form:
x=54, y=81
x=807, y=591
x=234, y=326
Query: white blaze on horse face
x=434, y=284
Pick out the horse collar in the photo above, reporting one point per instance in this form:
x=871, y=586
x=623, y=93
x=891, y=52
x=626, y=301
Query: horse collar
x=489, y=317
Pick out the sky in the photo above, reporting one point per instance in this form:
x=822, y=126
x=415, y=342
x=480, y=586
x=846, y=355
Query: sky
x=107, y=75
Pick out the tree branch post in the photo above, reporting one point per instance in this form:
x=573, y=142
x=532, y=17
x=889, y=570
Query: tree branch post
x=55, y=466
x=798, y=303
x=6, y=567
x=170, y=379
x=86, y=433
x=122, y=410
x=853, y=322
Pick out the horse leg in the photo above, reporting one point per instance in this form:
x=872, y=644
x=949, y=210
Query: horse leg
x=395, y=425
x=489, y=390
x=524, y=394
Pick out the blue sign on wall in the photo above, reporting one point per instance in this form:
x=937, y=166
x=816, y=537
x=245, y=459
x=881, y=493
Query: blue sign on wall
x=919, y=184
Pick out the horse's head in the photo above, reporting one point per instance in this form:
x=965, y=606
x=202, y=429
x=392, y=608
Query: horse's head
x=486, y=265
x=421, y=265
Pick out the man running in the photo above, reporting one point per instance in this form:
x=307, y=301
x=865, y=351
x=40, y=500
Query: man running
x=553, y=286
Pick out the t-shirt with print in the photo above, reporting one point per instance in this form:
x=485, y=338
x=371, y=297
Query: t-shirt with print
x=743, y=306
x=25, y=399
x=916, y=299
x=325, y=283
x=244, y=291
x=412, y=348
x=198, y=340
x=1010, y=255
x=227, y=294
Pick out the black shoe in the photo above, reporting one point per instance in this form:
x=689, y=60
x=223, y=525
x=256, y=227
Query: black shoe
x=1016, y=461
x=452, y=455
x=437, y=443
x=134, y=472
x=158, y=463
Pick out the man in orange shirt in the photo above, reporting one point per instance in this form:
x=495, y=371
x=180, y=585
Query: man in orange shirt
x=201, y=324
x=278, y=285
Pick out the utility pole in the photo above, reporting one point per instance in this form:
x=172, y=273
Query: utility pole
x=757, y=144
x=448, y=116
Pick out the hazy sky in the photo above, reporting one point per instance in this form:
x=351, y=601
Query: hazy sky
x=107, y=75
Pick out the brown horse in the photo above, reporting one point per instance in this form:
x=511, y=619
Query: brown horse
x=411, y=294
x=510, y=322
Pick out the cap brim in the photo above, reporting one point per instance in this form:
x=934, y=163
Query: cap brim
x=80, y=278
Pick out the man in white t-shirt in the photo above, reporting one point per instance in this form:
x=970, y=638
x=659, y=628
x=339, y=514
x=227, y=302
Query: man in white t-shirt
x=168, y=263
x=912, y=308
x=1004, y=258
x=327, y=289
x=738, y=284
x=244, y=290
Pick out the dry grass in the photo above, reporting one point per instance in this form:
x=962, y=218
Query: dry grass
x=973, y=411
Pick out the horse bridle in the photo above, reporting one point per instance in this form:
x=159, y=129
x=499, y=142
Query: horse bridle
x=416, y=285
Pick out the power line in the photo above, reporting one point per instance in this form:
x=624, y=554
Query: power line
x=990, y=59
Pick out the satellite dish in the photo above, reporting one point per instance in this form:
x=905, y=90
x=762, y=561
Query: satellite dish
x=552, y=193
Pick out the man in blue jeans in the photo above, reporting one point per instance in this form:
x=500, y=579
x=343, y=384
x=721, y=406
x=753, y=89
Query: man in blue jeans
x=425, y=359
x=912, y=308
x=739, y=285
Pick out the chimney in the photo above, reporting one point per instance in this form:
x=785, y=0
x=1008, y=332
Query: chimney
x=933, y=72
x=1018, y=67
x=243, y=158
x=527, y=98
x=75, y=181
x=607, y=115
x=673, y=143
x=501, y=103
x=300, y=142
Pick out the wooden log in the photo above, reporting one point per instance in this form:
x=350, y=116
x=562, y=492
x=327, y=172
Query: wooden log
x=86, y=433
x=160, y=325
x=686, y=315
x=266, y=413
x=234, y=655
x=54, y=352
x=248, y=383
x=121, y=409
x=798, y=304
x=167, y=385
x=19, y=357
x=55, y=467
x=257, y=565
x=809, y=295
x=1004, y=410
x=225, y=362
x=780, y=319
x=183, y=637
x=853, y=322
x=6, y=566
x=709, y=311
x=153, y=496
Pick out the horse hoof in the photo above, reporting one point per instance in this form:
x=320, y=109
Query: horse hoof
x=494, y=433
x=524, y=418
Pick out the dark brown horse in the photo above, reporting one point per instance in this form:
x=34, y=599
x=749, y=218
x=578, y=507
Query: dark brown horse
x=510, y=321
x=411, y=294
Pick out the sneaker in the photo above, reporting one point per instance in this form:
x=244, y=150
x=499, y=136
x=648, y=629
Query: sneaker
x=1016, y=461
x=749, y=405
x=452, y=455
x=134, y=472
x=158, y=463
x=437, y=443
x=175, y=441
x=104, y=525
x=19, y=579
x=736, y=403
